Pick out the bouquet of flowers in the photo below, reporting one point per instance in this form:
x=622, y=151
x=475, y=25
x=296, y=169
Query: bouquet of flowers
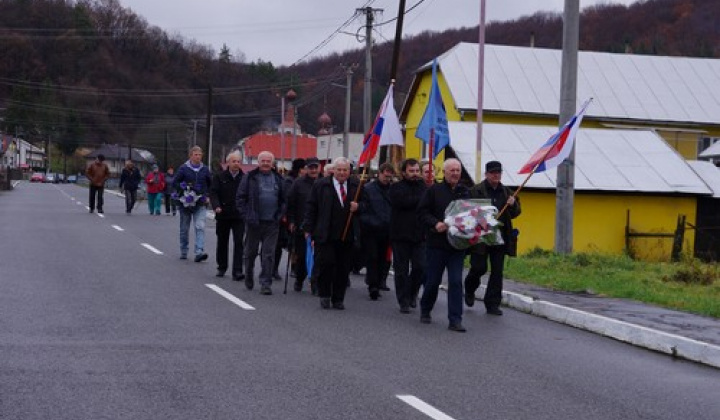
x=472, y=222
x=188, y=197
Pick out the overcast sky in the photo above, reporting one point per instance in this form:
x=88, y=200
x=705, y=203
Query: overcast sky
x=285, y=31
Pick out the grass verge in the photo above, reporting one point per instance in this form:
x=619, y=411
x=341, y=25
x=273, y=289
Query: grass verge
x=688, y=286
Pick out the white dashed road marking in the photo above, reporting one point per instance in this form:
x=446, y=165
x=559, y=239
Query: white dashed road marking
x=152, y=248
x=424, y=407
x=118, y=228
x=230, y=297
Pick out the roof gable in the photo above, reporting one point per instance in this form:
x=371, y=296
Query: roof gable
x=625, y=86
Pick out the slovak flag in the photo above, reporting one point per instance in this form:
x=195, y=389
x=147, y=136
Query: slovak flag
x=557, y=148
x=384, y=132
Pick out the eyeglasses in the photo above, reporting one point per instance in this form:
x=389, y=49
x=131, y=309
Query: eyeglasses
x=494, y=172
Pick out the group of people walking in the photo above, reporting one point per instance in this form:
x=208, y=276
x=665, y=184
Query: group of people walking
x=337, y=218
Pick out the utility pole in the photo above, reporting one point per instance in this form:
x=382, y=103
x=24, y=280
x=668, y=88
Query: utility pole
x=208, y=125
x=348, y=92
x=165, y=157
x=367, y=99
x=480, y=93
x=393, y=74
x=565, y=192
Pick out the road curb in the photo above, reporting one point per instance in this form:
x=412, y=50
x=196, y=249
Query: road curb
x=671, y=344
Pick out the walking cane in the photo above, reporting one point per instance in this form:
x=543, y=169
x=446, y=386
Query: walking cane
x=291, y=249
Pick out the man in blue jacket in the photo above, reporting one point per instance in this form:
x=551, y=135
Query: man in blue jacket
x=261, y=201
x=192, y=183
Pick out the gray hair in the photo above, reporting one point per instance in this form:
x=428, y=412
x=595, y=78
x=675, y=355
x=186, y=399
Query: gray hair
x=340, y=160
x=195, y=149
x=448, y=161
x=266, y=153
x=234, y=153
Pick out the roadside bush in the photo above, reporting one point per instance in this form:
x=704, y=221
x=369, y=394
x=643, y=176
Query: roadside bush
x=694, y=272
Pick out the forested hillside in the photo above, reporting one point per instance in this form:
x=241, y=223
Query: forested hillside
x=88, y=72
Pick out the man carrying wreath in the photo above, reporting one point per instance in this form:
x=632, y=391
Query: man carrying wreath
x=491, y=188
x=193, y=181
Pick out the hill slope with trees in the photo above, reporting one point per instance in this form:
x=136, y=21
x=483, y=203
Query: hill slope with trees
x=87, y=72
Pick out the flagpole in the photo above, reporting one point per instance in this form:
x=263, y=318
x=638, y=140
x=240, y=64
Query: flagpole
x=431, y=175
x=515, y=194
x=357, y=196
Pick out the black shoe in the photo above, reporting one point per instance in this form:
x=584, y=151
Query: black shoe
x=220, y=273
x=338, y=305
x=456, y=328
x=298, y=286
x=413, y=303
x=404, y=309
x=374, y=294
x=313, y=287
x=325, y=303
x=384, y=288
x=470, y=299
x=201, y=257
x=266, y=290
x=91, y=210
x=100, y=211
x=249, y=283
x=425, y=318
x=183, y=256
x=238, y=277
x=494, y=311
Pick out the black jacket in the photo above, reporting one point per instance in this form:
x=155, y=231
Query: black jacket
x=248, y=197
x=432, y=210
x=404, y=199
x=499, y=197
x=223, y=191
x=297, y=197
x=324, y=217
x=374, y=207
x=130, y=179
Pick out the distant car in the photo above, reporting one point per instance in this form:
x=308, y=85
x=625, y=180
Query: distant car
x=37, y=177
x=51, y=178
x=72, y=179
x=60, y=179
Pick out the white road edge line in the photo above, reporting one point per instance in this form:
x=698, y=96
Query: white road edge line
x=118, y=228
x=424, y=407
x=100, y=215
x=152, y=248
x=230, y=297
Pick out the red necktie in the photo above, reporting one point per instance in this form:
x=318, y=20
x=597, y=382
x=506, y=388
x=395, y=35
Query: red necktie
x=342, y=193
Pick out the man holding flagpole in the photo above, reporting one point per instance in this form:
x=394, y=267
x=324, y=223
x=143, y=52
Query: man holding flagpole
x=500, y=197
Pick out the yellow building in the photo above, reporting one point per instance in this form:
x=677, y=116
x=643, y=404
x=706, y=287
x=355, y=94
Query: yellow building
x=647, y=115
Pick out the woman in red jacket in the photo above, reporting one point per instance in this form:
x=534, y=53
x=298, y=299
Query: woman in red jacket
x=155, y=181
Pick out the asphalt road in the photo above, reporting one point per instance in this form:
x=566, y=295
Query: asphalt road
x=96, y=325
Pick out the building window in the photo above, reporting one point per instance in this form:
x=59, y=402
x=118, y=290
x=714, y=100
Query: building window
x=322, y=143
x=707, y=142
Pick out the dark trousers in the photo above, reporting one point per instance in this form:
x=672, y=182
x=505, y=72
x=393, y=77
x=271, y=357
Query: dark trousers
x=130, y=198
x=223, y=228
x=376, y=246
x=334, y=261
x=438, y=260
x=170, y=204
x=96, y=192
x=407, y=282
x=299, y=251
x=479, y=266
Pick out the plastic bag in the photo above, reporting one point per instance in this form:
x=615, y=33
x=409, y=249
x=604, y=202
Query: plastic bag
x=471, y=222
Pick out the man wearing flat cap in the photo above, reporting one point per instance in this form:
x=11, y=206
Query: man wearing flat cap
x=491, y=188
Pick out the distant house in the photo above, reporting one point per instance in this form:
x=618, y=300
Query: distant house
x=116, y=155
x=279, y=143
x=19, y=153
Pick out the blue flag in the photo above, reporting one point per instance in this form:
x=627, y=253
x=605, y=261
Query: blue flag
x=434, y=123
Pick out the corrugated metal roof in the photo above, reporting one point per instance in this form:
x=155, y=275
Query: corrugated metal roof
x=625, y=86
x=709, y=173
x=605, y=160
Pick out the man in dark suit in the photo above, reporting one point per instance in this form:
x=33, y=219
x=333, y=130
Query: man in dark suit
x=223, y=191
x=327, y=210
